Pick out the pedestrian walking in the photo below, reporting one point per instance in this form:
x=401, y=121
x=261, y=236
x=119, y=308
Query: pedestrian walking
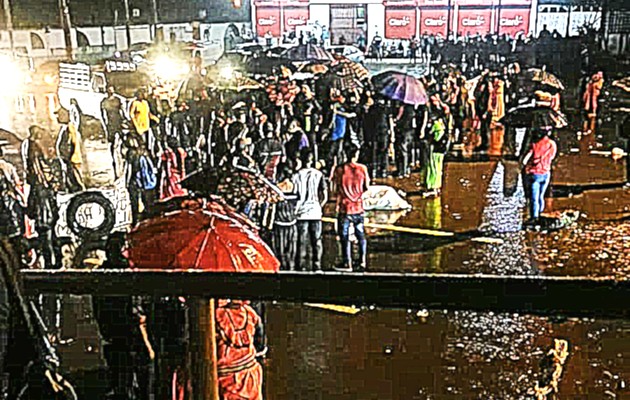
x=69, y=148
x=338, y=131
x=284, y=229
x=124, y=327
x=537, y=163
x=590, y=101
x=141, y=117
x=351, y=181
x=438, y=146
x=312, y=194
x=41, y=206
x=404, y=131
x=113, y=117
x=12, y=203
x=172, y=169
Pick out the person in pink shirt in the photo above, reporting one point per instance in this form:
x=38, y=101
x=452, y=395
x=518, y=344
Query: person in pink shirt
x=351, y=181
x=538, y=169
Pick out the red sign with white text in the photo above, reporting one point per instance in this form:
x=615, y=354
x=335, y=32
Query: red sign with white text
x=294, y=17
x=400, y=23
x=472, y=22
x=433, y=22
x=268, y=20
x=514, y=21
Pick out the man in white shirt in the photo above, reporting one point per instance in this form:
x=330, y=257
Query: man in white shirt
x=311, y=190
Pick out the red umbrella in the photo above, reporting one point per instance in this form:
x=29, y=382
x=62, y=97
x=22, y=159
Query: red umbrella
x=208, y=238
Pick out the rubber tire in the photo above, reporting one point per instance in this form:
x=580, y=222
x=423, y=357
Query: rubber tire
x=109, y=219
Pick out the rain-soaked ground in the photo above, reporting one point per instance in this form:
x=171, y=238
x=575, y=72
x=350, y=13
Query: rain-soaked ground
x=420, y=354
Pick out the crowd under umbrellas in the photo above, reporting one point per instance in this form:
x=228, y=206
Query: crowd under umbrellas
x=254, y=150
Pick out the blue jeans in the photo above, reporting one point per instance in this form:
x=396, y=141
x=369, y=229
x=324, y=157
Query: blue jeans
x=538, y=185
x=343, y=224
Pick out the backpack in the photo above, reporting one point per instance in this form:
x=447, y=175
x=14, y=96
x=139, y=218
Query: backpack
x=146, y=178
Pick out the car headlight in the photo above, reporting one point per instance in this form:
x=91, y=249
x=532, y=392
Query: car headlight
x=168, y=68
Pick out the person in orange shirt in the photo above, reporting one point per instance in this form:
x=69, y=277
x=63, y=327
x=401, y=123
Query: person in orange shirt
x=590, y=99
x=239, y=329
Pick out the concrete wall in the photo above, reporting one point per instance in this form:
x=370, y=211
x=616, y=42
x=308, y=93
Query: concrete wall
x=375, y=21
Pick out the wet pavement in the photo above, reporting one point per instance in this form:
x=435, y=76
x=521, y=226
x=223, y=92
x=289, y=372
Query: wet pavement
x=420, y=354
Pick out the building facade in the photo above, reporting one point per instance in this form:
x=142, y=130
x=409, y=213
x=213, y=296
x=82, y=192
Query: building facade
x=394, y=19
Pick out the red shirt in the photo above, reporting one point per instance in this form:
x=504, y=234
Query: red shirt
x=542, y=154
x=352, y=181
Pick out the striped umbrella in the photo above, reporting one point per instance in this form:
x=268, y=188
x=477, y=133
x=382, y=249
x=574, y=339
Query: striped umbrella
x=543, y=77
x=347, y=68
x=401, y=87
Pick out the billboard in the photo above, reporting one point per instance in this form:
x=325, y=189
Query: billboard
x=295, y=17
x=434, y=22
x=475, y=21
x=400, y=23
x=268, y=20
x=513, y=21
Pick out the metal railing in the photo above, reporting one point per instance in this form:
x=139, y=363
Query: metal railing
x=540, y=295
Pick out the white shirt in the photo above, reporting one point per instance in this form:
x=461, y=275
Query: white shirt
x=308, y=182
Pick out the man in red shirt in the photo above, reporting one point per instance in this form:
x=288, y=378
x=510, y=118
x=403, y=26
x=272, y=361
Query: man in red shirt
x=538, y=169
x=351, y=181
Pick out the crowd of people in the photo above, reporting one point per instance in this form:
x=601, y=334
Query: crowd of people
x=314, y=142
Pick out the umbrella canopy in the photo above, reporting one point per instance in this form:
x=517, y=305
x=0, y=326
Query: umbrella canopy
x=534, y=116
x=401, y=87
x=234, y=185
x=347, y=75
x=544, y=78
x=308, y=52
x=344, y=67
x=202, y=238
x=313, y=68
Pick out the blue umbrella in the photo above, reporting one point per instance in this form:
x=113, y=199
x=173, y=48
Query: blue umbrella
x=401, y=87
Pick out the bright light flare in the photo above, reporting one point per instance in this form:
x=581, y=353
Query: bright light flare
x=12, y=77
x=168, y=68
x=226, y=73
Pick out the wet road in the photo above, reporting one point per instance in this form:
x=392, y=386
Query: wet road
x=397, y=354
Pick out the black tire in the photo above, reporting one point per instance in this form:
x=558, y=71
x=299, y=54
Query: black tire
x=83, y=232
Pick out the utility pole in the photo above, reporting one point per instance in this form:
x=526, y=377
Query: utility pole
x=155, y=19
x=8, y=22
x=128, y=23
x=66, y=24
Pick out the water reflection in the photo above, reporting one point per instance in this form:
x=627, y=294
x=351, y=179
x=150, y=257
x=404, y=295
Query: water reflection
x=403, y=354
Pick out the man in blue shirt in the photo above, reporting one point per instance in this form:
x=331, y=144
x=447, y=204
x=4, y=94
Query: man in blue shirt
x=339, y=124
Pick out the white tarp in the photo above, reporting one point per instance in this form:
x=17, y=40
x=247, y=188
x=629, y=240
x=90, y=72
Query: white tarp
x=384, y=198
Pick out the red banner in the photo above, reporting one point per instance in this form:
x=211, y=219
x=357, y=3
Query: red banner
x=514, y=21
x=294, y=17
x=472, y=22
x=400, y=23
x=433, y=22
x=268, y=20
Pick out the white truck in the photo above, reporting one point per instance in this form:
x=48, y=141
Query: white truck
x=82, y=87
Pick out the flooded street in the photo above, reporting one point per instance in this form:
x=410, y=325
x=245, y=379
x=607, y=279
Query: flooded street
x=407, y=354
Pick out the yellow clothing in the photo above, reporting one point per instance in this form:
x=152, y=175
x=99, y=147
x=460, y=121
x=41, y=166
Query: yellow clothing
x=497, y=100
x=73, y=137
x=140, y=115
